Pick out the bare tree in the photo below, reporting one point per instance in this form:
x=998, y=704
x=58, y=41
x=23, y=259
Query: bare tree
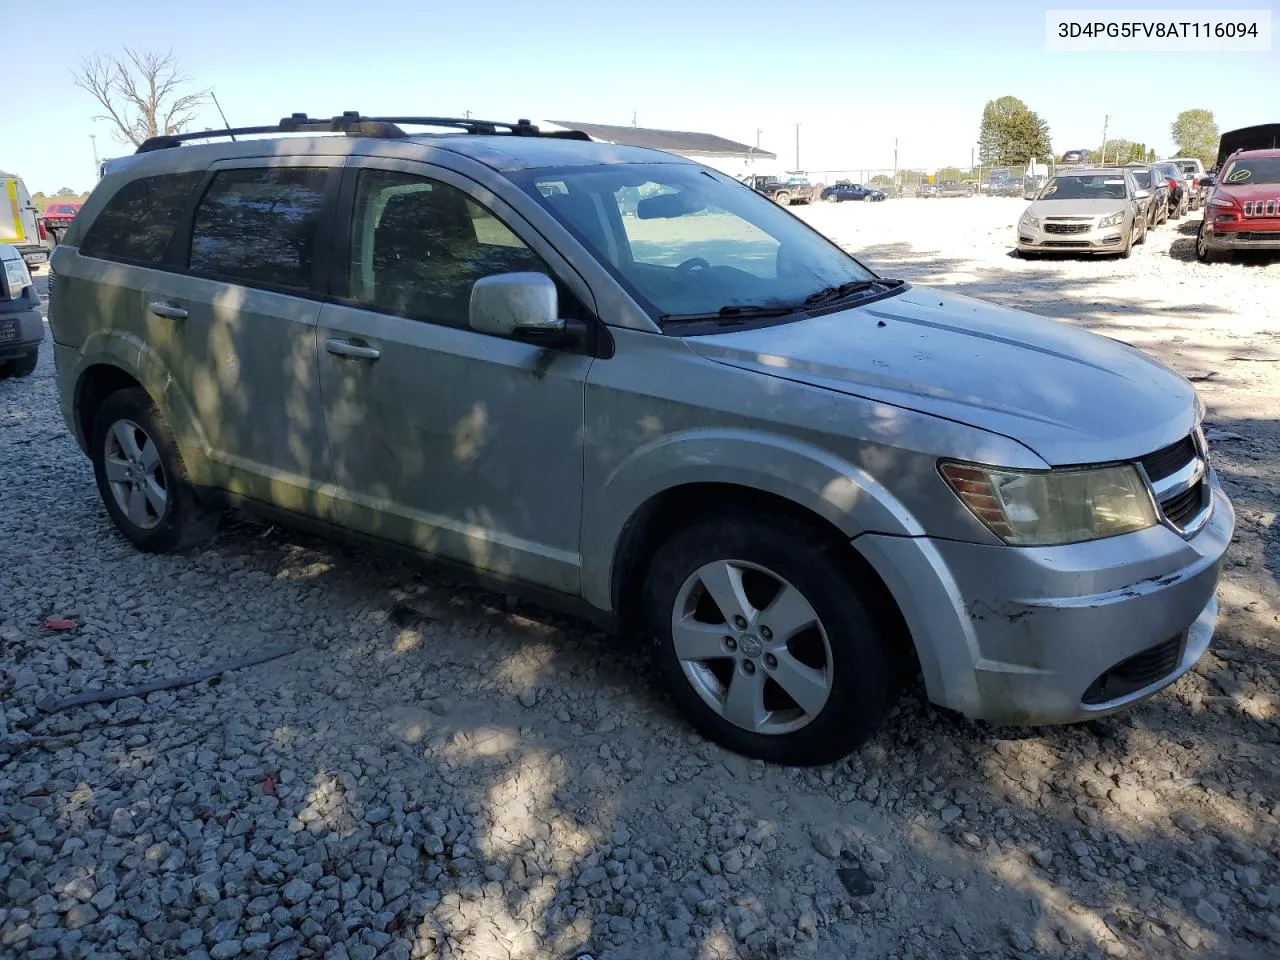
x=144, y=93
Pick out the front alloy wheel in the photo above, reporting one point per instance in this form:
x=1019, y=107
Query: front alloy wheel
x=772, y=637
x=752, y=647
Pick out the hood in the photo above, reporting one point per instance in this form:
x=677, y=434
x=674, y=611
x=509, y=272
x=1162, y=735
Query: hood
x=1069, y=395
x=1075, y=208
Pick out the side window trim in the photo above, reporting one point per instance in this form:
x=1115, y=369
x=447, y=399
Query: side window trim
x=177, y=255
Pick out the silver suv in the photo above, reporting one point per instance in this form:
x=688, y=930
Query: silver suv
x=615, y=377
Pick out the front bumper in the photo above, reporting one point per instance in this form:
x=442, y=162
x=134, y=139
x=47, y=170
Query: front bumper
x=1058, y=634
x=21, y=330
x=1093, y=240
x=1235, y=240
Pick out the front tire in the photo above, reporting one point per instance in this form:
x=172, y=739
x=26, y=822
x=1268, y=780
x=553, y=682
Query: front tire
x=141, y=477
x=22, y=367
x=767, y=643
x=782, y=199
x=1204, y=253
x=832, y=198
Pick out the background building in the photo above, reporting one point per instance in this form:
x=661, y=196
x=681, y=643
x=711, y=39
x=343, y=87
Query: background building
x=727, y=156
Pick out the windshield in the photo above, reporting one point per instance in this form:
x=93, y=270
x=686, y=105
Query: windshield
x=1098, y=187
x=1256, y=170
x=684, y=240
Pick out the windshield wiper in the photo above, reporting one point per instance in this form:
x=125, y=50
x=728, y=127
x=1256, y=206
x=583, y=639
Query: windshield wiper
x=733, y=313
x=832, y=294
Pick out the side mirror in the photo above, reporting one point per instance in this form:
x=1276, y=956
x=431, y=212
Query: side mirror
x=1142, y=194
x=1207, y=180
x=520, y=305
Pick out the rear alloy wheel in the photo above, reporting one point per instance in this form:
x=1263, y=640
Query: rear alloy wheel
x=141, y=477
x=767, y=644
x=832, y=198
x=782, y=199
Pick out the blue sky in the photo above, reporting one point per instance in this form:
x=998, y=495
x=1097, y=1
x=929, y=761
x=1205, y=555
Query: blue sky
x=854, y=75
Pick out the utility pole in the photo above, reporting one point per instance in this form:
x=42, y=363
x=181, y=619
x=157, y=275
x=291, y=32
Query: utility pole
x=797, y=148
x=633, y=117
x=93, y=138
x=467, y=114
x=895, y=159
x=758, y=131
x=1105, y=121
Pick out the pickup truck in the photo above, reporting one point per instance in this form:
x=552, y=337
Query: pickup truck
x=1193, y=170
x=57, y=217
x=784, y=191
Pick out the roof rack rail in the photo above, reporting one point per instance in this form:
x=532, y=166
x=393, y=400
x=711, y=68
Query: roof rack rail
x=352, y=124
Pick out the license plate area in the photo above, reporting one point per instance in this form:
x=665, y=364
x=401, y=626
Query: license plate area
x=8, y=331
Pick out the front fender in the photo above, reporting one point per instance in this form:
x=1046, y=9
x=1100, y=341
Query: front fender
x=132, y=355
x=839, y=491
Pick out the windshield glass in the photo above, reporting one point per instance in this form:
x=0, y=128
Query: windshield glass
x=1097, y=187
x=684, y=240
x=1257, y=170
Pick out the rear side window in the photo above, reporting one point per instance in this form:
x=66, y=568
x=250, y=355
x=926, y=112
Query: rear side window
x=260, y=225
x=139, y=221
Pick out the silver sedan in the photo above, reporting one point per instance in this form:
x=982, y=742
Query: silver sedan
x=1098, y=211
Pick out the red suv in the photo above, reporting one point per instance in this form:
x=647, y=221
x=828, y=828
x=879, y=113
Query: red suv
x=1242, y=211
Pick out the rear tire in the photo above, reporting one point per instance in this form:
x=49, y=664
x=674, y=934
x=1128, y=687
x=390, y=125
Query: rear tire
x=726, y=676
x=782, y=199
x=141, y=477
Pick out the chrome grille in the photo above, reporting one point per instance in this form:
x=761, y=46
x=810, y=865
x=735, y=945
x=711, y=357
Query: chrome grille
x=1262, y=208
x=1051, y=227
x=1178, y=475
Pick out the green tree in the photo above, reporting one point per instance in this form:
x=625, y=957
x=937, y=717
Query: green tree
x=950, y=173
x=880, y=180
x=39, y=201
x=1011, y=134
x=1195, y=134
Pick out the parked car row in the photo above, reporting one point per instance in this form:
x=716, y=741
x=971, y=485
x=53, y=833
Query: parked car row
x=1097, y=210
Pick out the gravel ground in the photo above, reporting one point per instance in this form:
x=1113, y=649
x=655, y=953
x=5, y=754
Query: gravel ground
x=441, y=772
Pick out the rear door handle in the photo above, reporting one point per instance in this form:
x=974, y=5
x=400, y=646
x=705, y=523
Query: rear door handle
x=345, y=348
x=168, y=310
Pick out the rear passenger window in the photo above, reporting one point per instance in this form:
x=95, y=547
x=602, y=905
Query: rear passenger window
x=139, y=221
x=260, y=225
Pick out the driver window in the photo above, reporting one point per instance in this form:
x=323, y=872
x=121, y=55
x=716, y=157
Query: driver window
x=418, y=246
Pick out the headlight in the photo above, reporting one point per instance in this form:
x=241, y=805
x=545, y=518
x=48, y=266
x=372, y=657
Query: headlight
x=1054, y=507
x=1111, y=221
x=1030, y=221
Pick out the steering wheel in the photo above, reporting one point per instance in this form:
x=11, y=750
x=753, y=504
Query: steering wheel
x=693, y=263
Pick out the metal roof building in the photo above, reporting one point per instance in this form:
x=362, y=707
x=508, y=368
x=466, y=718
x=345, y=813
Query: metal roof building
x=720, y=153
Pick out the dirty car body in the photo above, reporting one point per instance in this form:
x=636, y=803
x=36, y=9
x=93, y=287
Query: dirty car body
x=588, y=381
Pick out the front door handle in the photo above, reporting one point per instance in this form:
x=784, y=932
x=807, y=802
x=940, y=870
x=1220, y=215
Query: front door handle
x=345, y=348
x=168, y=310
